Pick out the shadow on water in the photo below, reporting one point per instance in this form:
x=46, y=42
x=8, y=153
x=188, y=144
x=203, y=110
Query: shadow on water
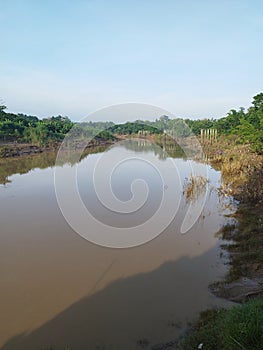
x=132, y=312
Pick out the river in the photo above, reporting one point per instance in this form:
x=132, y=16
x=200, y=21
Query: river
x=59, y=289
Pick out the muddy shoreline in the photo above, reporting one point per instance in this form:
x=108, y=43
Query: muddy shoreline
x=13, y=149
x=242, y=175
x=245, y=277
x=16, y=150
x=241, y=325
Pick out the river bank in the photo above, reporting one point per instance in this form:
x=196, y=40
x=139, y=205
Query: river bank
x=242, y=173
x=15, y=149
x=240, y=327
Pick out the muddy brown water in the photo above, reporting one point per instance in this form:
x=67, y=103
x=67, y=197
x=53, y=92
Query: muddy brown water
x=58, y=289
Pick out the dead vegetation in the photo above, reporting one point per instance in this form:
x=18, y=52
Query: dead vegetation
x=194, y=187
x=242, y=175
x=242, y=170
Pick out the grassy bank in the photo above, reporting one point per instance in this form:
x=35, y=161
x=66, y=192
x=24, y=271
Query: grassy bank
x=240, y=327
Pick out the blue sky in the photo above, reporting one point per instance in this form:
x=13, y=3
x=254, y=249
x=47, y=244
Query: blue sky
x=194, y=58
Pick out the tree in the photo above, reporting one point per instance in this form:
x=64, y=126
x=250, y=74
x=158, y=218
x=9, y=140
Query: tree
x=2, y=108
x=258, y=101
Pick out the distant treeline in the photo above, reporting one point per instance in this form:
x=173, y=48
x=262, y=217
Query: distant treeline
x=248, y=125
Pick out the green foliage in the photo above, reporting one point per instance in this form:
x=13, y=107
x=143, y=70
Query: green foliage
x=258, y=101
x=130, y=128
x=24, y=128
x=196, y=125
x=239, y=328
x=247, y=125
x=104, y=135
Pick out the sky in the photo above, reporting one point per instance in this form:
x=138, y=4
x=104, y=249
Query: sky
x=193, y=58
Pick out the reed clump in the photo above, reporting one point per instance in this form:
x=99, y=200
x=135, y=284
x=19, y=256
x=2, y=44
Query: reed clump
x=195, y=186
